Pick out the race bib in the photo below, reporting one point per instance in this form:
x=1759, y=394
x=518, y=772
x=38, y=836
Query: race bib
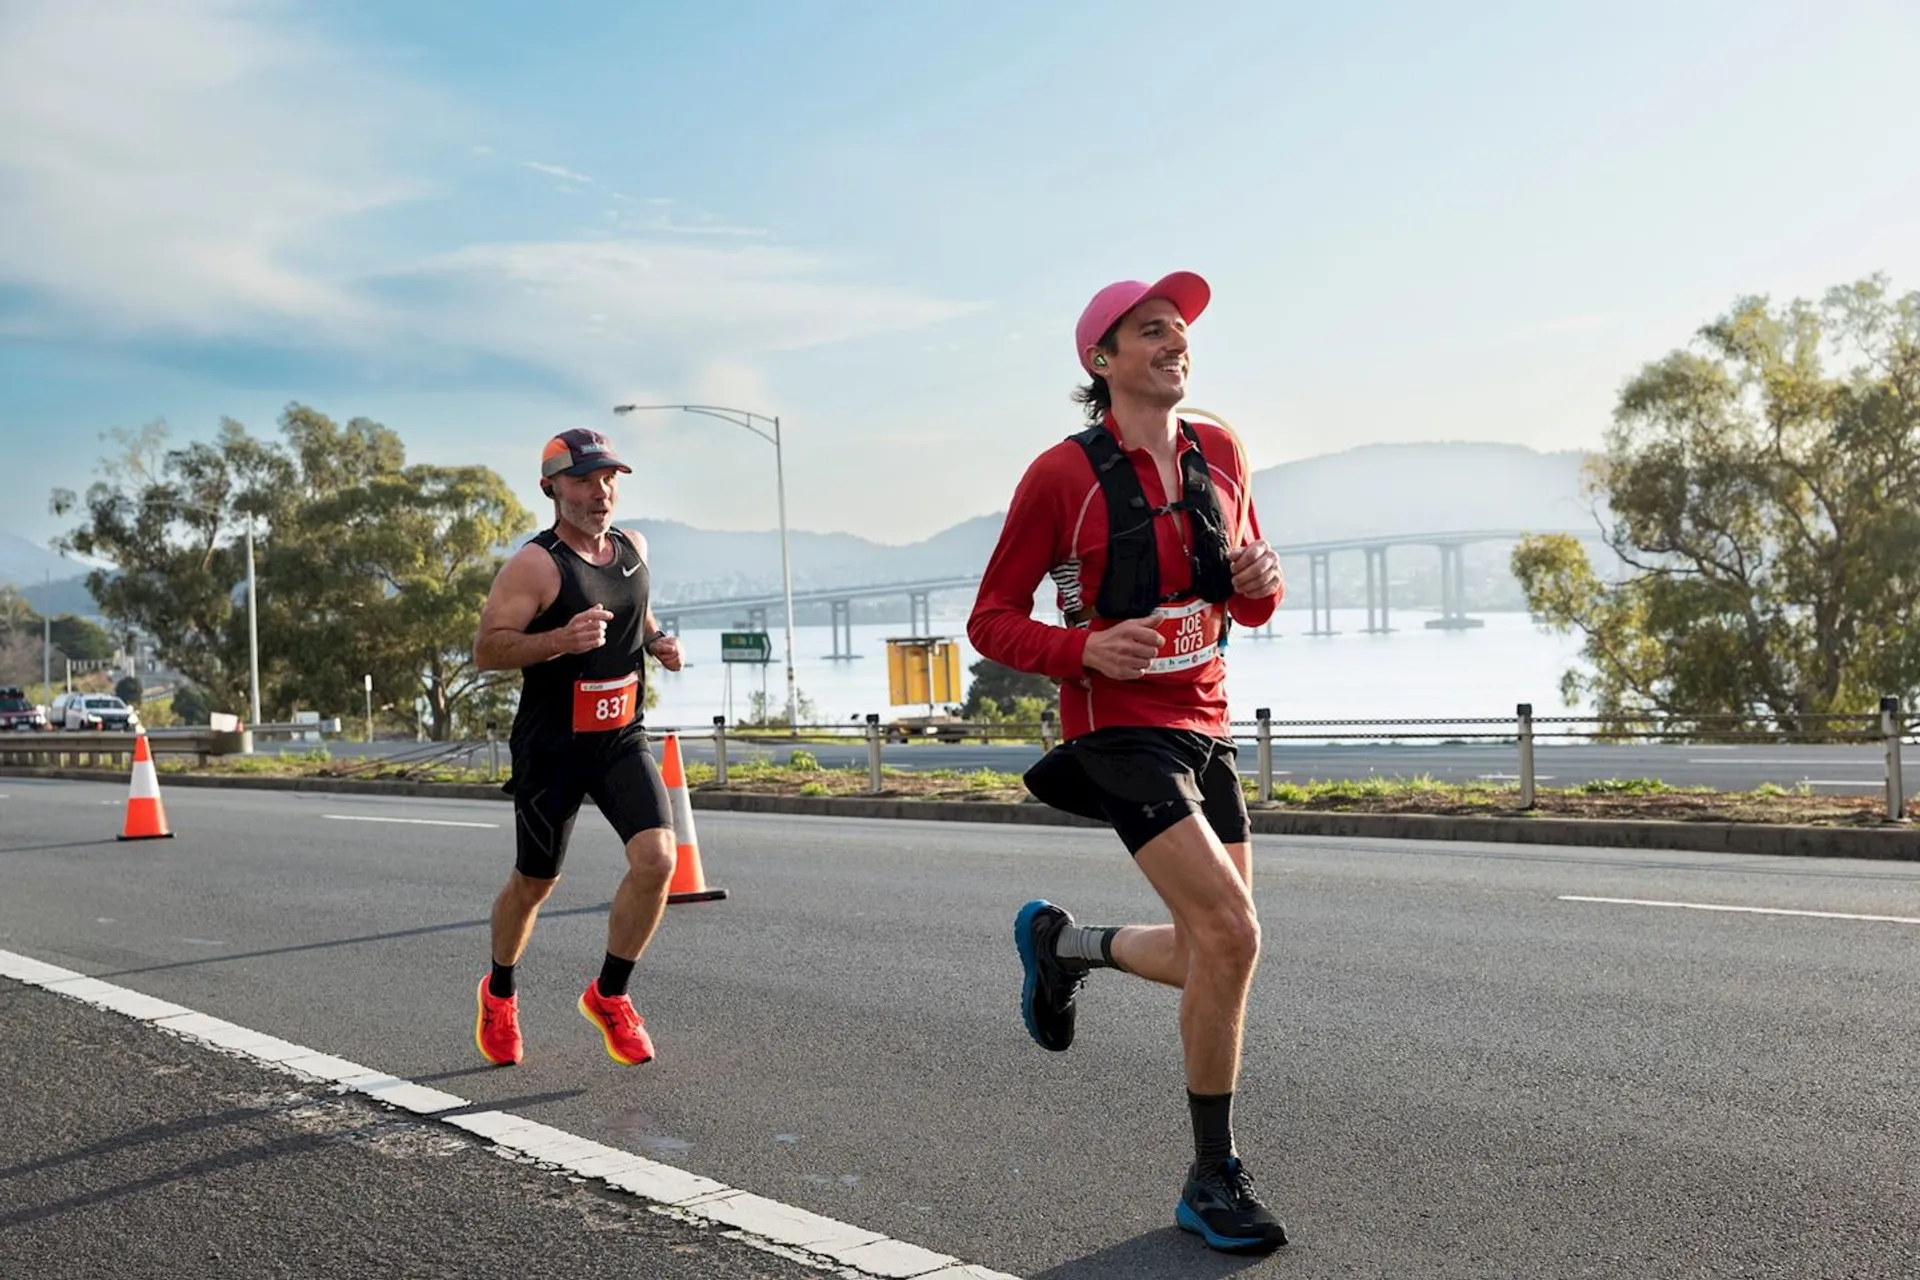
x=603, y=705
x=1189, y=635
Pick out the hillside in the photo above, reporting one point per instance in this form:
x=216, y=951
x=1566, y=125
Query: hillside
x=1375, y=489
x=25, y=564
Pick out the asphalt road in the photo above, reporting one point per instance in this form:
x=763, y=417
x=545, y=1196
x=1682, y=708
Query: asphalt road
x=1830, y=770
x=1451, y=1069
x=130, y=1153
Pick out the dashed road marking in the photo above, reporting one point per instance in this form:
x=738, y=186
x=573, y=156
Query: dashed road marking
x=1758, y=911
x=412, y=822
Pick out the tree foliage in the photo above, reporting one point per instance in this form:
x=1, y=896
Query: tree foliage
x=363, y=564
x=996, y=689
x=80, y=640
x=1764, y=495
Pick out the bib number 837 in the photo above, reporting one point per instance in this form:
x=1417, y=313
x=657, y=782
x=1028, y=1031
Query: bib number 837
x=600, y=706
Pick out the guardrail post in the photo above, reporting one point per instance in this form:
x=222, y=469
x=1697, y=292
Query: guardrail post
x=1046, y=730
x=719, y=751
x=1265, y=717
x=493, y=752
x=873, y=754
x=1525, y=712
x=1896, y=786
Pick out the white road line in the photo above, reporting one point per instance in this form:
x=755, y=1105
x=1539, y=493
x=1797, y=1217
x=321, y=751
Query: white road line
x=1843, y=782
x=1758, y=911
x=1767, y=761
x=765, y=1224
x=416, y=822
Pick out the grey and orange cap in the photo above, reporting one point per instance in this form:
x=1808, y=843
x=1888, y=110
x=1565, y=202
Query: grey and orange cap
x=578, y=452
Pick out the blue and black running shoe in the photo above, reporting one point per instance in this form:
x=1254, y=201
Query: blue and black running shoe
x=1219, y=1206
x=1047, y=995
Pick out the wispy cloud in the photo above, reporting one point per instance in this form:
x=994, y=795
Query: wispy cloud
x=211, y=170
x=558, y=171
x=595, y=309
x=185, y=168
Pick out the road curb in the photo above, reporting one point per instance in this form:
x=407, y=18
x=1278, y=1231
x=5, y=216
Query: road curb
x=1887, y=843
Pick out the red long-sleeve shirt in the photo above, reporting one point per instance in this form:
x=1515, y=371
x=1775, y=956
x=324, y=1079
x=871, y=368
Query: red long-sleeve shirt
x=1057, y=526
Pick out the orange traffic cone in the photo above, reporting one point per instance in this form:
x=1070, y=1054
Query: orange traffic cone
x=688, y=883
x=146, y=818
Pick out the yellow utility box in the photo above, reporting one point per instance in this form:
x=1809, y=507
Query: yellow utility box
x=923, y=669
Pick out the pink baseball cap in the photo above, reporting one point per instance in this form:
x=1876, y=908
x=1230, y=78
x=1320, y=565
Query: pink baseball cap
x=1186, y=291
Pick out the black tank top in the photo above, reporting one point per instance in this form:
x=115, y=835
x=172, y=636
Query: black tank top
x=620, y=586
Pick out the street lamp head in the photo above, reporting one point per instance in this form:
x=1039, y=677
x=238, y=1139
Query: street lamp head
x=624, y=408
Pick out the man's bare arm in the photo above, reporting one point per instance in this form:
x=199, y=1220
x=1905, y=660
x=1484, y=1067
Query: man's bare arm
x=526, y=584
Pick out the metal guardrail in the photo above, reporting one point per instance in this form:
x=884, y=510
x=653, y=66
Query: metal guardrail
x=94, y=747
x=1888, y=728
x=115, y=746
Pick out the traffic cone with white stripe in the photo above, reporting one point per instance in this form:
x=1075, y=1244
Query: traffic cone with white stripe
x=146, y=816
x=689, y=883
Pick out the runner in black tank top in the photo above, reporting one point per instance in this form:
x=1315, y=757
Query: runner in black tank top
x=546, y=716
x=570, y=611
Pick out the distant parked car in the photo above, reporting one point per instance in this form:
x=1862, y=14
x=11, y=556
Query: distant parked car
x=17, y=714
x=95, y=711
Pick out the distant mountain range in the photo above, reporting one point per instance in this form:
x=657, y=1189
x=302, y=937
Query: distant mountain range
x=1368, y=491
x=1361, y=492
x=28, y=564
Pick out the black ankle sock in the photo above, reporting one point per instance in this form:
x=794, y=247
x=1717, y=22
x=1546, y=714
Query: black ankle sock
x=615, y=973
x=500, y=985
x=1212, y=1126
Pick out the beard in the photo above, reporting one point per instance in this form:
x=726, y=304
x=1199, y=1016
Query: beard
x=583, y=517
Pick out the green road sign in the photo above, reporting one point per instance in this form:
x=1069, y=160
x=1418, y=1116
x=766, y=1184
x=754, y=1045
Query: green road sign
x=746, y=646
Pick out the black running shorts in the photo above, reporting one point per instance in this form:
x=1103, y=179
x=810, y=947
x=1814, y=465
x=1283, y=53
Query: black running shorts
x=1143, y=781
x=617, y=770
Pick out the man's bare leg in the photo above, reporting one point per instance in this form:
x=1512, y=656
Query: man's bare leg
x=638, y=903
x=1216, y=928
x=514, y=912
x=1159, y=952
x=641, y=898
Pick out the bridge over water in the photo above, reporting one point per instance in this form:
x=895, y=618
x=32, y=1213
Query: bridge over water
x=1319, y=555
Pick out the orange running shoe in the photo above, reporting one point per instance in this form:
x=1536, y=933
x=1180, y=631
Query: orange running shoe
x=626, y=1035
x=496, y=1031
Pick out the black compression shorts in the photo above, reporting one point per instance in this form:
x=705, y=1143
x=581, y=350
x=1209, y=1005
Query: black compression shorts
x=1143, y=781
x=617, y=770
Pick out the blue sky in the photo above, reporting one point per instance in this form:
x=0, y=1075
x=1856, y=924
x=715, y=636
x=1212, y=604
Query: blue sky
x=484, y=222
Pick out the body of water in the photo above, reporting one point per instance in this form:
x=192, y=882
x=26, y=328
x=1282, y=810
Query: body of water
x=1411, y=672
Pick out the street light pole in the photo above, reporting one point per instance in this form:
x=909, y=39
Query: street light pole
x=253, y=630
x=747, y=419
x=786, y=578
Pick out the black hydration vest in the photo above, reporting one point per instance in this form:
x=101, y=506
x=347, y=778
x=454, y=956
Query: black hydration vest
x=1130, y=586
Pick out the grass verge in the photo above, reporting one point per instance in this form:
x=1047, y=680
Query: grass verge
x=1648, y=799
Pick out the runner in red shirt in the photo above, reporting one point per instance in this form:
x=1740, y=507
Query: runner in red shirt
x=1145, y=522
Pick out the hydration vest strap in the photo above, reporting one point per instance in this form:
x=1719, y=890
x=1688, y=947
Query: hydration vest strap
x=1130, y=584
